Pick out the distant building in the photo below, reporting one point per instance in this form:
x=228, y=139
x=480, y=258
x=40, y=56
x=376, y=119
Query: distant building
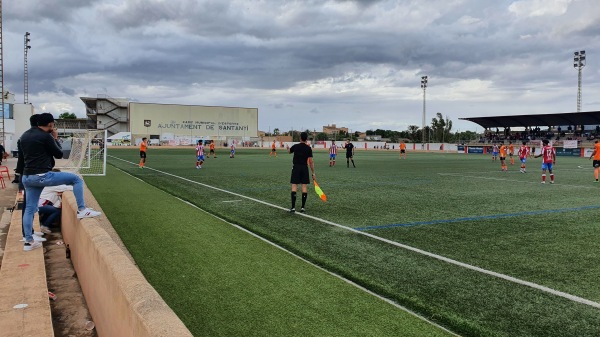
x=333, y=129
x=170, y=124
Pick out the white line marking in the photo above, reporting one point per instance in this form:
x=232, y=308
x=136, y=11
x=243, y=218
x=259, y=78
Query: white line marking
x=459, y=175
x=232, y=200
x=400, y=245
x=300, y=258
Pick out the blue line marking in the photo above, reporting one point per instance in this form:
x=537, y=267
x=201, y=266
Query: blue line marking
x=497, y=216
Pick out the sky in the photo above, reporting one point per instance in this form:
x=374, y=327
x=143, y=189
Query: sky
x=309, y=63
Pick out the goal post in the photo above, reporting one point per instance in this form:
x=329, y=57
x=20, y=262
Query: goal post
x=84, y=153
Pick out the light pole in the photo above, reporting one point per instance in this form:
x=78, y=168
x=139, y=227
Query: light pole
x=424, y=87
x=26, y=70
x=579, y=63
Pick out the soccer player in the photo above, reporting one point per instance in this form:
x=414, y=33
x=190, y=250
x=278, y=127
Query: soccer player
x=503, y=157
x=403, y=149
x=303, y=159
x=332, y=153
x=212, y=149
x=273, y=149
x=523, y=154
x=596, y=156
x=495, y=152
x=349, y=153
x=511, y=151
x=199, y=154
x=143, y=148
x=232, y=153
x=548, y=155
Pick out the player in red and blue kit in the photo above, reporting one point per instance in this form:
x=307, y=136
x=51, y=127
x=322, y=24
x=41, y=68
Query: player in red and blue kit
x=199, y=155
x=495, y=150
x=523, y=153
x=332, y=153
x=549, y=158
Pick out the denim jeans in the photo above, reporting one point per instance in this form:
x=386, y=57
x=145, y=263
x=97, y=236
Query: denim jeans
x=34, y=184
x=48, y=215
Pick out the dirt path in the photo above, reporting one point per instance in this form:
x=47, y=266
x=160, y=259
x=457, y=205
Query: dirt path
x=69, y=311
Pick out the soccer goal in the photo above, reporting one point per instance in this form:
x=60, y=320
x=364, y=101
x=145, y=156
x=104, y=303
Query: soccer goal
x=84, y=153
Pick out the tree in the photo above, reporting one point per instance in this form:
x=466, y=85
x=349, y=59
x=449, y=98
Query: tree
x=276, y=131
x=322, y=136
x=441, y=127
x=67, y=115
x=295, y=136
x=414, y=133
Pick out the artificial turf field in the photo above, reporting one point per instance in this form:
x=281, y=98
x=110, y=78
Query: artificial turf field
x=541, y=240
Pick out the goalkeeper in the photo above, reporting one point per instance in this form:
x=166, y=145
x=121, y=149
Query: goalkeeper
x=302, y=160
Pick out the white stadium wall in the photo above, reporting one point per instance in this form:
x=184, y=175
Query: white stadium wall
x=175, y=124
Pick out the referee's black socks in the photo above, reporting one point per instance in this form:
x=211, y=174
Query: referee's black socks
x=304, y=196
x=293, y=199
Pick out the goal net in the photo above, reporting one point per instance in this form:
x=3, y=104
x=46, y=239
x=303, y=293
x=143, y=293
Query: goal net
x=84, y=153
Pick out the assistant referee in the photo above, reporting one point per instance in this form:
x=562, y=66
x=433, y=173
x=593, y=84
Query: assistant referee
x=303, y=158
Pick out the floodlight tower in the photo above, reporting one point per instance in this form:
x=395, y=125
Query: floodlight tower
x=579, y=63
x=424, y=87
x=26, y=72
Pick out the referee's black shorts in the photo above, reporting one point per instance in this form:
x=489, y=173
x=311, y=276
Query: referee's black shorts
x=142, y=154
x=596, y=163
x=300, y=175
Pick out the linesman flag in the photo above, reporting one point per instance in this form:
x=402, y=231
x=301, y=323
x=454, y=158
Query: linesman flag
x=319, y=192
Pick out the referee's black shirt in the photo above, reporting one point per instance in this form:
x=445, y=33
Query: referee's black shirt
x=301, y=153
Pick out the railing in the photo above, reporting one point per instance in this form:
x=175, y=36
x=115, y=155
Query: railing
x=113, y=100
x=80, y=124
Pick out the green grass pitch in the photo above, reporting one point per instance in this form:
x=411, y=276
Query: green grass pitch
x=457, y=206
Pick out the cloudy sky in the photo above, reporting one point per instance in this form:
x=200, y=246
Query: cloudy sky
x=305, y=64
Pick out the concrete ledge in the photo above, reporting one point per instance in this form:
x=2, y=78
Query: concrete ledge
x=120, y=300
x=23, y=281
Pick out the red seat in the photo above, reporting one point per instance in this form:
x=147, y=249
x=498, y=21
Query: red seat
x=4, y=169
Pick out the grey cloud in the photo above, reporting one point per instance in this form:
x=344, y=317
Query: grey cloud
x=40, y=11
x=275, y=45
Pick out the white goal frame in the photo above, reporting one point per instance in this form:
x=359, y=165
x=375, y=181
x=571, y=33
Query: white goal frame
x=85, y=153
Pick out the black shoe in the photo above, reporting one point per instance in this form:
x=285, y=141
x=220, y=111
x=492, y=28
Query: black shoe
x=302, y=210
x=292, y=210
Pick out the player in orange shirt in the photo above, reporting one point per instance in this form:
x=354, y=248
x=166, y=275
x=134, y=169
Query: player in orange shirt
x=402, y=150
x=273, y=149
x=503, y=157
x=596, y=156
x=143, y=147
x=511, y=150
x=211, y=148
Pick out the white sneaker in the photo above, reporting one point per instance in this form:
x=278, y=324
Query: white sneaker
x=87, y=213
x=31, y=245
x=36, y=238
x=45, y=230
x=38, y=233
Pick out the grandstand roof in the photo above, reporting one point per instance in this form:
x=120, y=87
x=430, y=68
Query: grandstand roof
x=570, y=118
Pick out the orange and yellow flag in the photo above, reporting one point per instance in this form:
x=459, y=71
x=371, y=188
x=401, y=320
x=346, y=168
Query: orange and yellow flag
x=319, y=191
